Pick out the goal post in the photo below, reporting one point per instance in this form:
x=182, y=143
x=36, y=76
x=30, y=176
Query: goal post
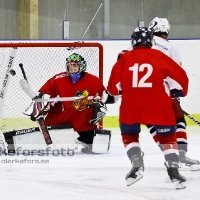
x=41, y=60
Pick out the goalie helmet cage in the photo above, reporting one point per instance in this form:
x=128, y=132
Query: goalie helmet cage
x=41, y=61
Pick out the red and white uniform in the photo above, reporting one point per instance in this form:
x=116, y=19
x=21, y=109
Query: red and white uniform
x=167, y=48
x=170, y=50
x=78, y=113
x=142, y=74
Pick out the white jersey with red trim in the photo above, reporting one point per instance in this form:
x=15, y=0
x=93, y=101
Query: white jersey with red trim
x=167, y=48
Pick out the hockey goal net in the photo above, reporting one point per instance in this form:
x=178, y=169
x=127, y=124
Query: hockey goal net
x=41, y=61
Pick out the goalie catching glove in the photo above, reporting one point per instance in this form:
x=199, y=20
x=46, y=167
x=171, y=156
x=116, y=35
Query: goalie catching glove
x=99, y=111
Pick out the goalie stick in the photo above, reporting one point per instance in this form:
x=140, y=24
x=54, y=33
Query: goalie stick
x=41, y=122
x=6, y=79
x=28, y=90
x=33, y=129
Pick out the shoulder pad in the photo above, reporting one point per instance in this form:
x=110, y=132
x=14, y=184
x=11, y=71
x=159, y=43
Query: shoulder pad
x=121, y=53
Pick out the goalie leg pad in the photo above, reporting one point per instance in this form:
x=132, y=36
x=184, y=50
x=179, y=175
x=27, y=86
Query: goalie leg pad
x=101, y=141
x=9, y=145
x=29, y=140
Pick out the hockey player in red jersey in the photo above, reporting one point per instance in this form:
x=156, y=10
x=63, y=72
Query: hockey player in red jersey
x=161, y=28
x=144, y=76
x=83, y=114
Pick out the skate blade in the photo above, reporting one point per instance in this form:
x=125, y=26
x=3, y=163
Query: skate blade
x=185, y=167
x=195, y=167
x=178, y=185
x=130, y=181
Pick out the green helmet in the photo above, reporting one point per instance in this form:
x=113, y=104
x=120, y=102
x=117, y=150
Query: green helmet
x=81, y=61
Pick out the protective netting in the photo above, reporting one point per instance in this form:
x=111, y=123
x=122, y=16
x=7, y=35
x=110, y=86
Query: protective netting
x=40, y=64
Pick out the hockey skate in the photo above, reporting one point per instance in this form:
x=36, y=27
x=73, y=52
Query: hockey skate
x=87, y=149
x=136, y=172
x=186, y=163
x=176, y=178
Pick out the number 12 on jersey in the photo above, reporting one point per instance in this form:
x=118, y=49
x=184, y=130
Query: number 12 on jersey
x=136, y=70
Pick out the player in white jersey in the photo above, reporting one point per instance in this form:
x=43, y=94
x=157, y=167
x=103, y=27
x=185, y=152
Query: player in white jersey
x=160, y=28
x=167, y=48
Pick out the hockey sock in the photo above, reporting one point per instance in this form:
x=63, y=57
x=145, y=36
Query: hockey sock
x=169, y=146
x=131, y=143
x=181, y=134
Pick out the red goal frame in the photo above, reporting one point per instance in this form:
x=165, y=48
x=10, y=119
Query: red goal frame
x=60, y=44
x=70, y=44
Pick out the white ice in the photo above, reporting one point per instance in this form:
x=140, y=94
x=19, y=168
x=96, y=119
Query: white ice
x=97, y=177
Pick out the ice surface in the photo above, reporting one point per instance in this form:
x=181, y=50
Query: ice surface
x=97, y=177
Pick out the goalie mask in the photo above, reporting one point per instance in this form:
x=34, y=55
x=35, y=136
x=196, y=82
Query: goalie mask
x=160, y=26
x=75, y=66
x=142, y=36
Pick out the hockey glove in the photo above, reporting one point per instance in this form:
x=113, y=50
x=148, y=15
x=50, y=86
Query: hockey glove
x=37, y=109
x=177, y=93
x=108, y=98
x=99, y=112
x=178, y=113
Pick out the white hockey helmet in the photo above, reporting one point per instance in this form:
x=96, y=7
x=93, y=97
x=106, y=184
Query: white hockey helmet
x=160, y=26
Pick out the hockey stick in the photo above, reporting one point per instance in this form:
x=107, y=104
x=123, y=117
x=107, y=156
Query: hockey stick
x=186, y=114
x=41, y=122
x=23, y=72
x=27, y=89
x=62, y=99
x=6, y=79
x=191, y=117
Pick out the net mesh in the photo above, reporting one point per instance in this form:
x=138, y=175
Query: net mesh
x=40, y=64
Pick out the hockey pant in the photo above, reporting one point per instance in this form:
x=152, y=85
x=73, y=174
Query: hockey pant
x=181, y=134
x=130, y=138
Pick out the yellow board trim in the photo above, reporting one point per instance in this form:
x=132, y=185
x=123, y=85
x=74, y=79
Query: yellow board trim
x=16, y=123
x=108, y=122
x=113, y=121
